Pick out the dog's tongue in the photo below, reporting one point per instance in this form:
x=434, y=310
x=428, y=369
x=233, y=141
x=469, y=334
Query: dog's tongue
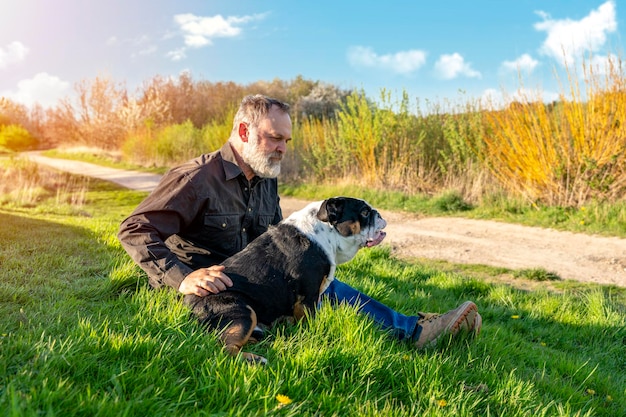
x=379, y=238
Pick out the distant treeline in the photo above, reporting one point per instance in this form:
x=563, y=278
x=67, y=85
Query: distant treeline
x=564, y=153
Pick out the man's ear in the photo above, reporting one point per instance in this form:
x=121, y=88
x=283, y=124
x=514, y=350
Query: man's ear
x=243, y=131
x=330, y=210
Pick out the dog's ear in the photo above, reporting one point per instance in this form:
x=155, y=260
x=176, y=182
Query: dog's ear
x=331, y=210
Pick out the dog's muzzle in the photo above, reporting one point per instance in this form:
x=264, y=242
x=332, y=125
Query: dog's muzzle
x=379, y=234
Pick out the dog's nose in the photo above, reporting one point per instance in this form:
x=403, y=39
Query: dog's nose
x=381, y=223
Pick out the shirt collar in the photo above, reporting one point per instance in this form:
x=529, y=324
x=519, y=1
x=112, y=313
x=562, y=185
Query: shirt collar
x=231, y=168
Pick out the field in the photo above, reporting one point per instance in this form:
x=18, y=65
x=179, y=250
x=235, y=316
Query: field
x=82, y=334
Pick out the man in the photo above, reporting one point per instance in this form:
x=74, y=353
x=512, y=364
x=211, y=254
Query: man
x=211, y=207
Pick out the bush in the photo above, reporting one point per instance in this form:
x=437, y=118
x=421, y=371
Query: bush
x=567, y=153
x=216, y=133
x=16, y=138
x=164, y=147
x=178, y=143
x=451, y=201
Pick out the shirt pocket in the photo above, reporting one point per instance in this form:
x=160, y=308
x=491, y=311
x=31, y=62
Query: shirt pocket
x=265, y=220
x=262, y=224
x=222, y=232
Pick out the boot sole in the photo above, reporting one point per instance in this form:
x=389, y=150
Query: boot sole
x=468, y=313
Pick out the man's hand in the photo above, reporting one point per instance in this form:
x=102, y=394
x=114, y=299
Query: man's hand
x=205, y=281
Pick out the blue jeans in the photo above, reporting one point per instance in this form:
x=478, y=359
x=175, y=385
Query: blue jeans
x=401, y=326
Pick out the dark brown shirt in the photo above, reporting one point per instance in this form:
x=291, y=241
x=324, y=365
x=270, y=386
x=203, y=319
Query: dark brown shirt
x=199, y=214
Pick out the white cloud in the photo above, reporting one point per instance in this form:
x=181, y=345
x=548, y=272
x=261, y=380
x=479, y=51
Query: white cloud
x=403, y=62
x=149, y=50
x=139, y=46
x=603, y=64
x=43, y=88
x=452, y=66
x=12, y=54
x=199, y=31
x=567, y=39
x=524, y=63
x=144, y=50
x=177, y=54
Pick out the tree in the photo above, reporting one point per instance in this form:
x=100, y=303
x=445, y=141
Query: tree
x=322, y=102
x=92, y=118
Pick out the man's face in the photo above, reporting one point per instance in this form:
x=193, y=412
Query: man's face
x=267, y=143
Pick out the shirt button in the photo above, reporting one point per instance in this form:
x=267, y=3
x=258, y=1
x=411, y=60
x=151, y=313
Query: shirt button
x=249, y=209
x=223, y=224
x=243, y=230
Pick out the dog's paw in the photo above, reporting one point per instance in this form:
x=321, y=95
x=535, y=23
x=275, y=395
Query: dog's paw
x=253, y=359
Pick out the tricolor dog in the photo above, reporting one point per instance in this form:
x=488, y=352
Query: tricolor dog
x=283, y=272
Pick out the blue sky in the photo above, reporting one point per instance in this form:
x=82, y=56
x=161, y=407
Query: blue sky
x=436, y=51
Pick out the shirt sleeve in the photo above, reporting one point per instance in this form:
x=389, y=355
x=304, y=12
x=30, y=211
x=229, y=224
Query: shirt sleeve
x=166, y=211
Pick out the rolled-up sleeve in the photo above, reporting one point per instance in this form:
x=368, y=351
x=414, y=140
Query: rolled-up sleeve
x=145, y=243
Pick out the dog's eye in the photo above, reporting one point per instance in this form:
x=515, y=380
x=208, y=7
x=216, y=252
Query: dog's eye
x=365, y=212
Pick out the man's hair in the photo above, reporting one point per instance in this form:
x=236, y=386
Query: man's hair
x=255, y=107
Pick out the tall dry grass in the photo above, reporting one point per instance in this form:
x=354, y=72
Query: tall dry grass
x=26, y=184
x=394, y=144
x=567, y=153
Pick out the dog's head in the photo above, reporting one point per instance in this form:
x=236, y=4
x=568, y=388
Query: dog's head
x=356, y=223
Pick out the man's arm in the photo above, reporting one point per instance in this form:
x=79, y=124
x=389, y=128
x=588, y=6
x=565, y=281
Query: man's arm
x=143, y=237
x=165, y=212
x=146, y=246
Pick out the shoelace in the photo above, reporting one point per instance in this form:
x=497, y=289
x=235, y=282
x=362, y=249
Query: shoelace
x=427, y=316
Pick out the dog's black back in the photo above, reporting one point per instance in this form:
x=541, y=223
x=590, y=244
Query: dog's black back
x=274, y=272
x=283, y=270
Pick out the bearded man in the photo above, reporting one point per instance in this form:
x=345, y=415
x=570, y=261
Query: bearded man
x=213, y=206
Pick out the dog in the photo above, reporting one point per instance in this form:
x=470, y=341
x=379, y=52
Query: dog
x=281, y=274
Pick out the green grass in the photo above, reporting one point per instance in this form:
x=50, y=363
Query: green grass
x=82, y=334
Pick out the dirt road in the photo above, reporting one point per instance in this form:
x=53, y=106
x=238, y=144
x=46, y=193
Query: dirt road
x=135, y=180
x=570, y=255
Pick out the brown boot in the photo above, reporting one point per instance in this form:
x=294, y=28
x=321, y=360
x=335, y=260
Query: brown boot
x=433, y=326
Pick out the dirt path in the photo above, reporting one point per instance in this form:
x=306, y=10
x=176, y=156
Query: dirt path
x=135, y=180
x=570, y=255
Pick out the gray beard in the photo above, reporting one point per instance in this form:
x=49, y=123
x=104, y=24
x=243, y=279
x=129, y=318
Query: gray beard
x=259, y=162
